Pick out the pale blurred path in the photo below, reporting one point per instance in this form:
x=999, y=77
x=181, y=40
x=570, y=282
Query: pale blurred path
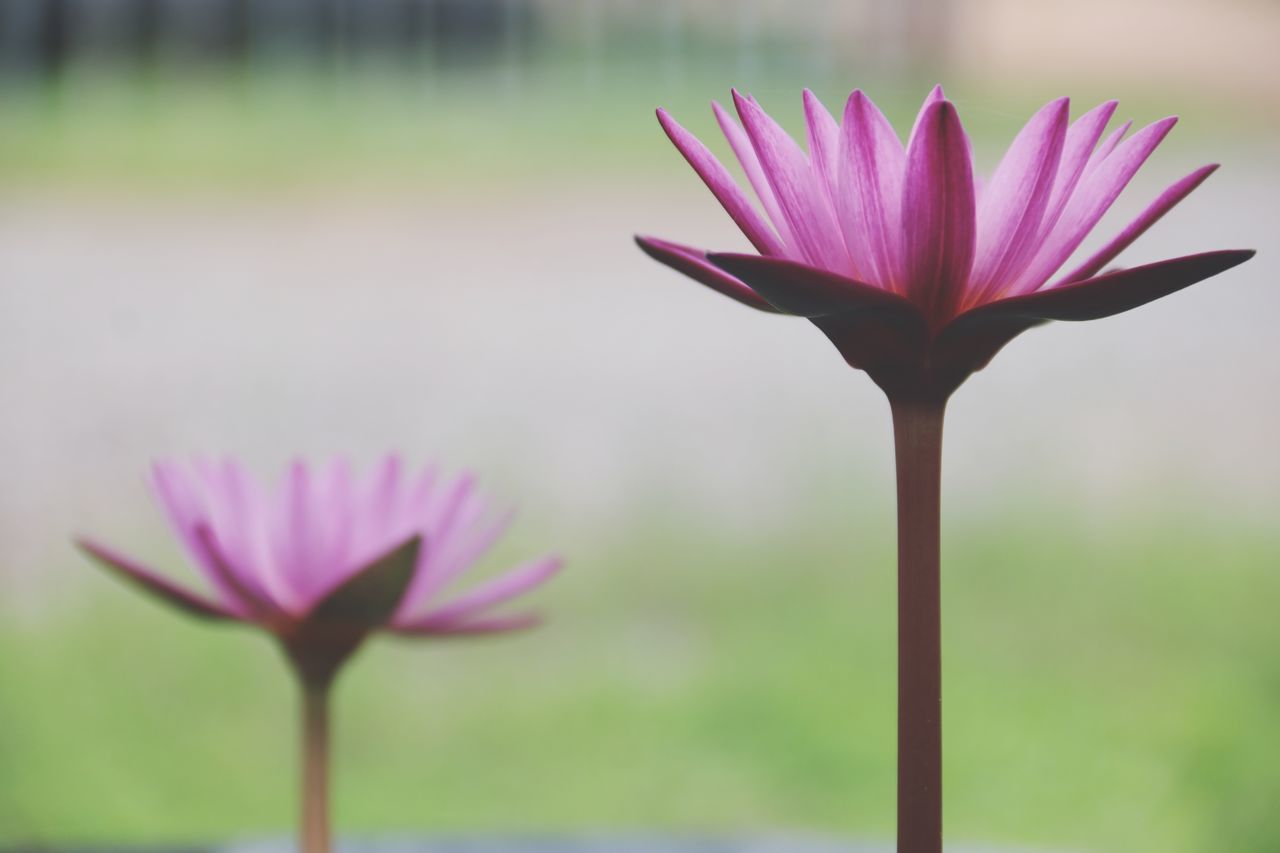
x=524, y=333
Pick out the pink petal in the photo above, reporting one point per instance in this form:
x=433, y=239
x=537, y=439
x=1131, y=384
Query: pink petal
x=488, y=625
x=1112, y=293
x=1109, y=144
x=154, y=583
x=457, y=531
x=938, y=213
x=435, y=570
x=823, y=136
x=497, y=591
x=750, y=163
x=804, y=204
x=175, y=492
x=807, y=291
x=423, y=489
x=722, y=186
x=239, y=512
x=252, y=598
x=1077, y=152
x=1158, y=208
x=384, y=490
x=338, y=509
x=1015, y=199
x=480, y=538
x=693, y=263
x=289, y=530
x=470, y=548
x=871, y=166
x=936, y=95
x=1096, y=192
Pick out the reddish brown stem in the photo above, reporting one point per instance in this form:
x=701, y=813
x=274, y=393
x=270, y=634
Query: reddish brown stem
x=314, y=829
x=917, y=433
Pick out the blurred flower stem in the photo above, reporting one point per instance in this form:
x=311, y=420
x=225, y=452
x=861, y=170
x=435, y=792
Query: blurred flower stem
x=314, y=829
x=917, y=435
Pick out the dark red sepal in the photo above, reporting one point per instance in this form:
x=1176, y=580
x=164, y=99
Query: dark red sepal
x=1110, y=293
x=145, y=578
x=693, y=263
x=319, y=642
x=806, y=291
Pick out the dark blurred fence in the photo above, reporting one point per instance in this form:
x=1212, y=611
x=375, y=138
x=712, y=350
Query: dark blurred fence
x=39, y=38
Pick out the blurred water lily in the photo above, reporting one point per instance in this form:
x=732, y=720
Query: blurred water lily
x=324, y=559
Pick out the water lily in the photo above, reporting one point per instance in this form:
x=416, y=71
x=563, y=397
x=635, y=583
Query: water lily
x=920, y=273
x=325, y=559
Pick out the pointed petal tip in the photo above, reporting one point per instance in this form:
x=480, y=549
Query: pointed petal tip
x=928, y=113
x=656, y=247
x=694, y=264
x=151, y=581
x=1117, y=291
x=88, y=546
x=1158, y=129
x=740, y=98
x=1198, y=177
x=101, y=554
x=1135, y=229
x=811, y=100
x=942, y=112
x=1106, y=110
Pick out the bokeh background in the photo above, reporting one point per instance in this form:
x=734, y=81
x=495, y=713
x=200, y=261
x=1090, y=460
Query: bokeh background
x=280, y=227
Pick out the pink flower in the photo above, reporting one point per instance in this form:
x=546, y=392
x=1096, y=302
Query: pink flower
x=915, y=270
x=919, y=274
x=326, y=557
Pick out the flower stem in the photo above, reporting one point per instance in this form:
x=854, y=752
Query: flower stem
x=314, y=830
x=917, y=433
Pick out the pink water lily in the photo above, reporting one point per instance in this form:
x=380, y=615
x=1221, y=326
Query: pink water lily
x=308, y=557
x=325, y=558
x=915, y=269
x=919, y=273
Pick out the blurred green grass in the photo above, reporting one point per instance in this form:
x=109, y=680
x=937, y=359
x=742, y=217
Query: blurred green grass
x=280, y=129
x=1110, y=685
